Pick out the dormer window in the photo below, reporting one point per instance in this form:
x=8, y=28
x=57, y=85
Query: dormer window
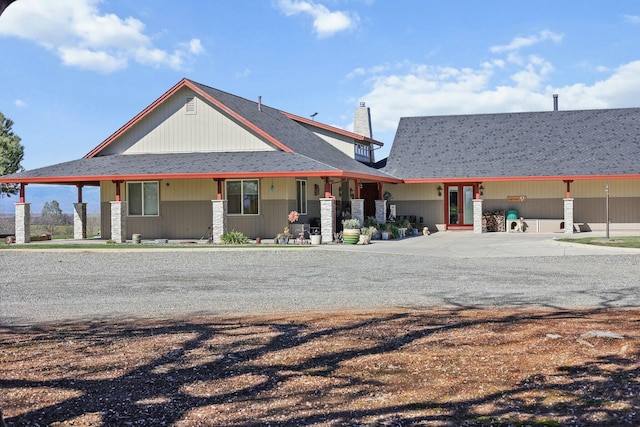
x=362, y=152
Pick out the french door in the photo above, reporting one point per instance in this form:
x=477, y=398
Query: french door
x=459, y=206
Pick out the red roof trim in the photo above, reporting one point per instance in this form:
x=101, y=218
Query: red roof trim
x=522, y=178
x=208, y=175
x=331, y=128
x=181, y=84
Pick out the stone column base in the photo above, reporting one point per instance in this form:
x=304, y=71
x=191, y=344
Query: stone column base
x=23, y=222
x=477, y=215
x=79, y=221
x=357, y=210
x=219, y=221
x=119, y=221
x=568, y=216
x=327, y=219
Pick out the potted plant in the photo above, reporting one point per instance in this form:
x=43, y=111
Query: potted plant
x=283, y=238
x=316, y=237
x=351, y=230
x=366, y=233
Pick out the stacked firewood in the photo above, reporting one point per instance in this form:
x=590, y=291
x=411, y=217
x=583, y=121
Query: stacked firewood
x=493, y=221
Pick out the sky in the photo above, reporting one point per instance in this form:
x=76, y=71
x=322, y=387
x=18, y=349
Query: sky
x=74, y=71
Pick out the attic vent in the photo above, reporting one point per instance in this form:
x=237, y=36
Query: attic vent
x=190, y=105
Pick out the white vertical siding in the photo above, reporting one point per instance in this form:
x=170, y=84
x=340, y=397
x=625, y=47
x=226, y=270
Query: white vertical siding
x=342, y=143
x=172, y=129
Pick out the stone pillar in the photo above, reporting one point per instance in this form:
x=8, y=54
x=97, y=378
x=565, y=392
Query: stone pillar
x=119, y=221
x=357, y=210
x=568, y=216
x=477, y=215
x=381, y=211
x=219, y=223
x=327, y=219
x=23, y=222
x=79, y=221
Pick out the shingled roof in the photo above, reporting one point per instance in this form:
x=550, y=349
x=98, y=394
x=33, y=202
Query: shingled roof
x=585, y=144
x=301, y=152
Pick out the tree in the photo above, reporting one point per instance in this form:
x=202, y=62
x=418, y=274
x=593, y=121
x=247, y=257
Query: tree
x=52, y=215
x=11, y=154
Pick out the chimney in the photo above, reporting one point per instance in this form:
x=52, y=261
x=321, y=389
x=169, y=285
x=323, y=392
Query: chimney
x=259, y=103
x=362, y=121
x=555, y=102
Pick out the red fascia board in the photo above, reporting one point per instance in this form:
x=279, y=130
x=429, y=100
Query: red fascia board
x=185, y=83
x=332, y=129
x=218, y=175
x=523, y=178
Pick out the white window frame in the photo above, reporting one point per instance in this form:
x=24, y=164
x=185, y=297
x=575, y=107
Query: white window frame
x=242, y=197
x=302, y=200
x=143, y=198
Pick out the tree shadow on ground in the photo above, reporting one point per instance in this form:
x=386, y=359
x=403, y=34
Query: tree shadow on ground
x=454, y=367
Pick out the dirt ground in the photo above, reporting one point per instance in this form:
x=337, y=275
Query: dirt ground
x=396, y=368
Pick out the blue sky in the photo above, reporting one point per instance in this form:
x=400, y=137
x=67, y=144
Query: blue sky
x=74, y=71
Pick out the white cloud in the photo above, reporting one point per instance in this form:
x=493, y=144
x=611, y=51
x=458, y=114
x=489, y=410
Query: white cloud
x=632, y=19
x=242, y=74
x=325, y=22
x=82, y=36
x=20, y=103
x=409, y=89
x=522, y=42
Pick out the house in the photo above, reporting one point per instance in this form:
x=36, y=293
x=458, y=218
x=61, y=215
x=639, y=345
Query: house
x=199, y=160
x=556, y=169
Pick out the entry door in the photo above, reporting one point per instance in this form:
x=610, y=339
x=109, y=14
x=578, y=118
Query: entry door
x=460, y=206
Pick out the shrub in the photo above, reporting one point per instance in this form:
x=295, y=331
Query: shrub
x=234, y=238
x=370, y=221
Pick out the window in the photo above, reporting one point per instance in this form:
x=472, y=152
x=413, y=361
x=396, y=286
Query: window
x=243, y=197
x=301, y=196
x=143, y=198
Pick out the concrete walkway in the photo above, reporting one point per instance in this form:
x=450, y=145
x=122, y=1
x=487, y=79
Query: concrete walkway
x=466, y=244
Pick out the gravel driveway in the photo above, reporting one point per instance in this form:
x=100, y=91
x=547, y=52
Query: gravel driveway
x=38, y=286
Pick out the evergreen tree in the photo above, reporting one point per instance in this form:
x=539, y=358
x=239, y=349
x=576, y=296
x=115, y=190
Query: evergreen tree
x=52, y=215
x=11, y=154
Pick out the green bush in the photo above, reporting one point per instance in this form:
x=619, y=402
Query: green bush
x=234, y=238
x=370, y=221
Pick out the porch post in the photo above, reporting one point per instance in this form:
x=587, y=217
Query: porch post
x=327, y=218
x=568, y=215
x=357, y=210
x=381, y=211
x=119, y=221
x=79, y=221
x=219, y=222
x=477, y=215
x=23, y=222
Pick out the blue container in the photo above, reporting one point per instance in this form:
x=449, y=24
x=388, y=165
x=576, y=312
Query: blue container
x=512, y=214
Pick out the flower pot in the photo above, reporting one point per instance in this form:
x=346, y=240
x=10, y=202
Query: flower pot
x=351, y=235
x=316, y=239
x=364, y=239
x=283, y=240
x=385, y=235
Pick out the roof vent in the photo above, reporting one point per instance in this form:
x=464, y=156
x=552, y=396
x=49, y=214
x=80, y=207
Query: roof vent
x=555, y=102
x=190, y=105
x=259, y=103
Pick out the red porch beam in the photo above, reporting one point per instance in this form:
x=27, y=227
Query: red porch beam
x=568, y=182
x=219, y=193
x=22, y=191
x=117, y=183
x=327, y=188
